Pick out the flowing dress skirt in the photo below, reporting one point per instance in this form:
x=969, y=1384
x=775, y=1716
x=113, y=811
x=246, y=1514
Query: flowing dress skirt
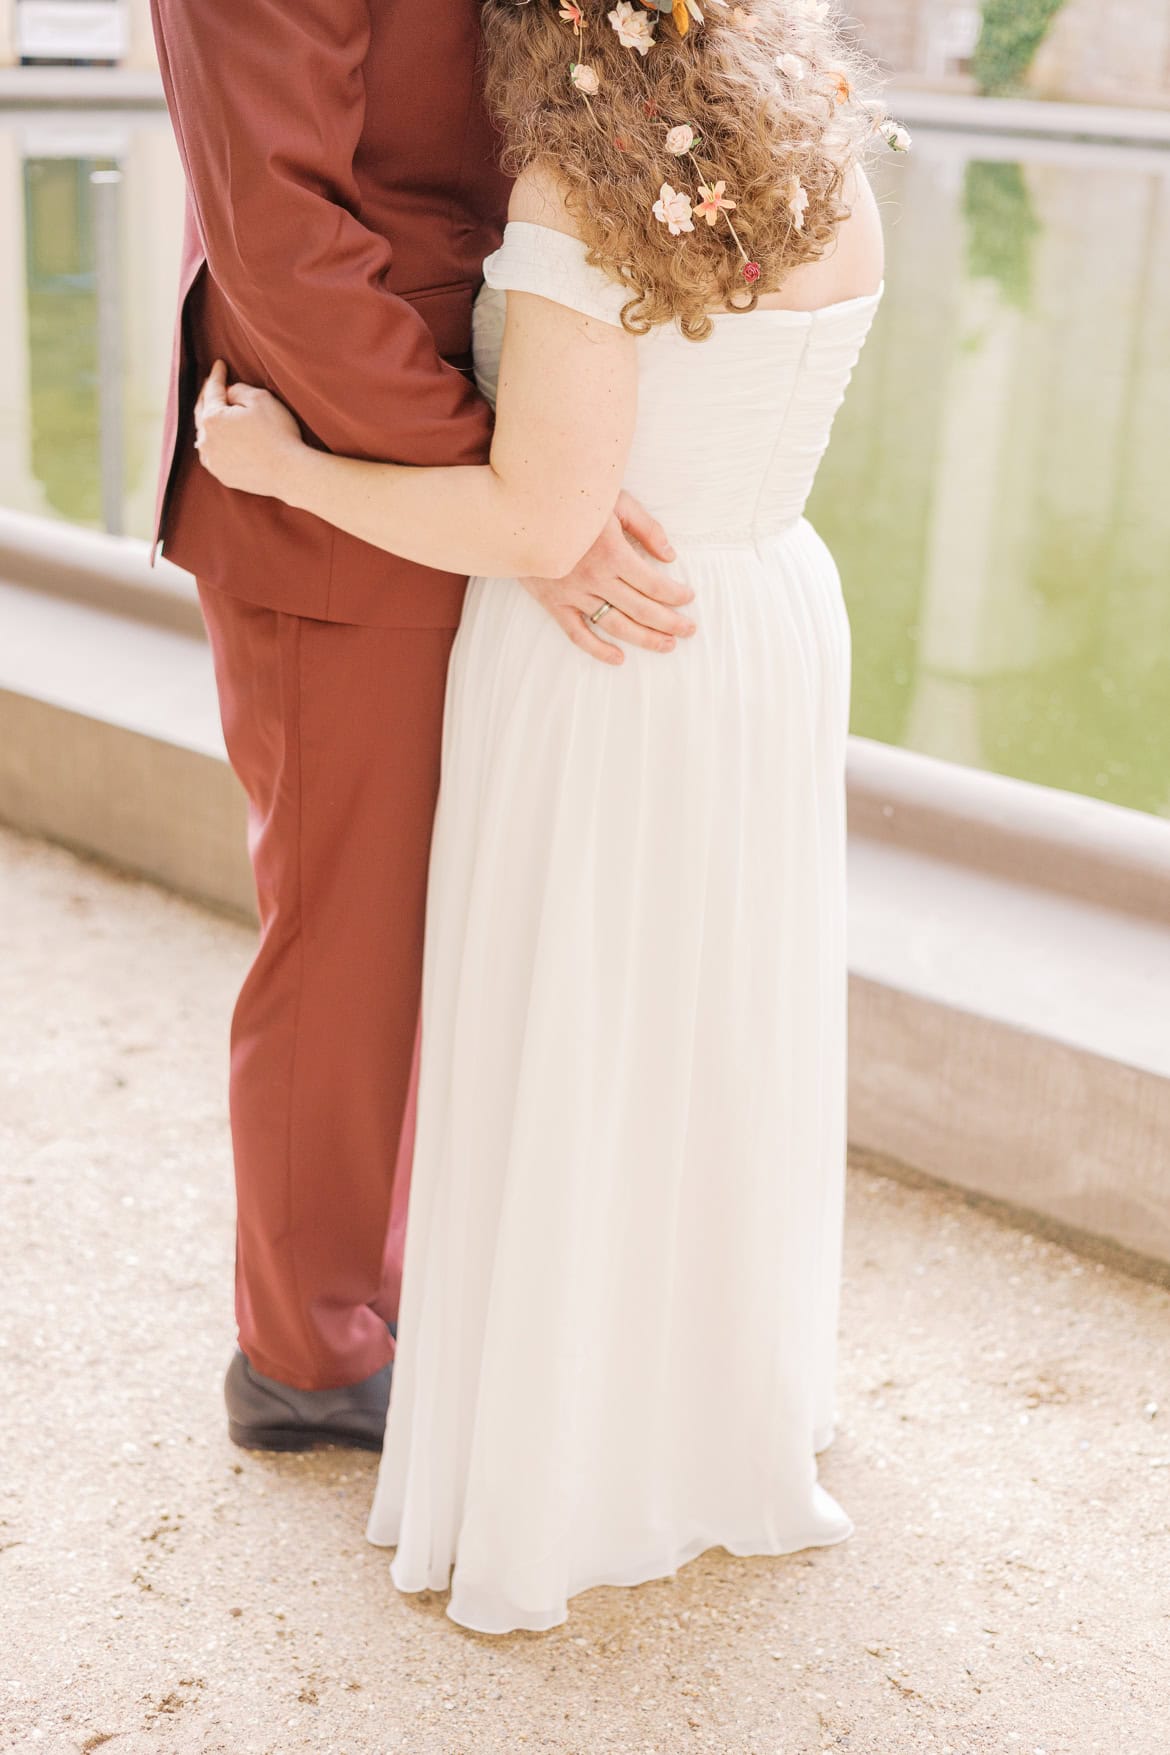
x=617, y=1341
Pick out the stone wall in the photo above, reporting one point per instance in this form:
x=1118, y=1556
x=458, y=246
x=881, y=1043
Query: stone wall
x=1117, y=53
x=919, y=39
x=1094, y=53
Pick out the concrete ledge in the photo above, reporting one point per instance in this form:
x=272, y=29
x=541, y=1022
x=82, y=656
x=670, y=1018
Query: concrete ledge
x=1028, y=116
x=147, y=806
x=103, y=572
x=1013, y=1116
x=1009, y=1036
x=990, y=822
x=80, y=87
x=110, y=743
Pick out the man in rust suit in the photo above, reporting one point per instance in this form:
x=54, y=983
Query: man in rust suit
x=342, y=196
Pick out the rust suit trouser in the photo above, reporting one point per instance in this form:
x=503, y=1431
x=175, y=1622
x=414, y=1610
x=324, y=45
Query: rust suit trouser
x=335, y=733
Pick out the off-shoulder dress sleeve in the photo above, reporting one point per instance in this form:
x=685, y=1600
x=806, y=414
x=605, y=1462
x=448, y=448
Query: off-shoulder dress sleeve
x=536, y=259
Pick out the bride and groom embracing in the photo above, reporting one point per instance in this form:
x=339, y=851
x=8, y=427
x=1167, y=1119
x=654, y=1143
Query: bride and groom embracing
x=398, y=366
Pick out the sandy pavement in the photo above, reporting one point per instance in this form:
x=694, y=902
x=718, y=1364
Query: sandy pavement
x=1004, y=1449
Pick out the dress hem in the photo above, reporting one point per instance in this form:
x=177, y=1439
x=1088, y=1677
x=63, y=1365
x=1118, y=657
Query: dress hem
x=518, y=1621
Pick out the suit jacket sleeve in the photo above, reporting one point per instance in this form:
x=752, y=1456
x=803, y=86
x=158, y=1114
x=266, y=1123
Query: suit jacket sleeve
x=267, y=99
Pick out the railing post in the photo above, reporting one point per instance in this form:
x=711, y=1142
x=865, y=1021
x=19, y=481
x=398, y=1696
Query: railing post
x=107, y=211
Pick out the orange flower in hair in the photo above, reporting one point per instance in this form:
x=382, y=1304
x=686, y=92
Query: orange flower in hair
x=842, y=88
x=713, y=203
x=682, y=11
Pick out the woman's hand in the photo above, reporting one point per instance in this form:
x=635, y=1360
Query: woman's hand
x=244, y=436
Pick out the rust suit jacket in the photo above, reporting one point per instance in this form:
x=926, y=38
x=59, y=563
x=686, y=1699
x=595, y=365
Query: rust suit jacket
x=342, y=195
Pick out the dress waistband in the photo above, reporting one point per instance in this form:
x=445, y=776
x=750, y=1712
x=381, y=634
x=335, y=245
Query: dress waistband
x=743, y=537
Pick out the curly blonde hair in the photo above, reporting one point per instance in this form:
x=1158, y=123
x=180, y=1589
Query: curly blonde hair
x=773, y=92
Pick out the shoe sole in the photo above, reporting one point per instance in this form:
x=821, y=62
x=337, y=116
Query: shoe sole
x=297, y=1438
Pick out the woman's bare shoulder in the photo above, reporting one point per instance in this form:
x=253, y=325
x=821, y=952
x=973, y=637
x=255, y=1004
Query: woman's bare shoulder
x=865, y=220
x=538, y=198
x=854, y=263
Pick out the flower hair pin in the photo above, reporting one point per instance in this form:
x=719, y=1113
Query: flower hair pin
x=713, y=202
x=635, y=26
x=635, y=23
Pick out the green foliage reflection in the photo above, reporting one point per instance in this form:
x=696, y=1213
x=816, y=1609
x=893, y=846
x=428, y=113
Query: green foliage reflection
x=1012, y=32
x=1001, y=225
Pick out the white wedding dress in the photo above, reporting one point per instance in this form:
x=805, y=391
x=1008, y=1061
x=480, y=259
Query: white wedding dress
x=617, y=1340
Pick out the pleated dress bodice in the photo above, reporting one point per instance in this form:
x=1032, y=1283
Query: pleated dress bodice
x=730, y=430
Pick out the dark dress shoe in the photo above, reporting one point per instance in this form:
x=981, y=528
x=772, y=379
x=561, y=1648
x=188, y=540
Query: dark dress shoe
x=266, y=1415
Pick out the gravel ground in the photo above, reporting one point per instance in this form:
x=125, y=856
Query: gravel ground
x=1004, y=1449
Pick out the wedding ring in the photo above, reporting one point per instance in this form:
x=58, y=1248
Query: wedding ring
x=598, y=613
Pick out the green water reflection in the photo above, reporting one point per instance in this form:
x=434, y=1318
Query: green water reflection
x=995, y=493
x=62, y=334
x=996, y=489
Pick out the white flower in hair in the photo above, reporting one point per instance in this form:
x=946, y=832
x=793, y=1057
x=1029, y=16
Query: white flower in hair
x=584, y=78
x=796, y=196
x=895, y=136
x=814, y=9
x=633, y=27
x=792, y=67
x=673, y=208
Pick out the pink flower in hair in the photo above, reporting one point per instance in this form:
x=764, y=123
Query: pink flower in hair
x=673, y=209
x=585, y=79
x=680, y=139
x=573, y=15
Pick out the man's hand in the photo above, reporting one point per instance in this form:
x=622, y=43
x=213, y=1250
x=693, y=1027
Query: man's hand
x=645, y=600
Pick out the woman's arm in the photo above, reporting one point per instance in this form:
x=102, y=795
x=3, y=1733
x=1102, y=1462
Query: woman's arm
x=564, y=423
